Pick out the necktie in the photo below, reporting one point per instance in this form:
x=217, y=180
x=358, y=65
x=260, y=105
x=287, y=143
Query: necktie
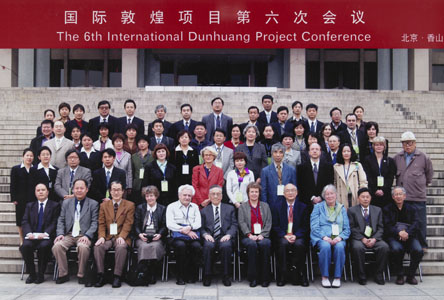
x=219, y=152
x=103, y=120
x=218, y=122
x=290, y=214
x=129, y=120
x=57, y=144
x=116, y=207
x=40, y=223
x=315, y=173
x=71, y=179
x=186, y=126
x=334, y=158
x=216, y=233
x=353, y=137
x=366, y=215
x=108, y=177
x=159, y=140
x=76, y=227
x=312, y=127
x=279, y=171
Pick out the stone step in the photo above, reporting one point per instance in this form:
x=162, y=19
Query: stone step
x=436, y=254
x=435, y=200
x=11, y=265
x=5, y=197
x=9, y=239
x=8, y=228
x=7, y=207
x=435, y=210
x=435, y=191
x=435, y=242
x=435, y=230
x=432, y=267
x=9, y=252
x=7, y=217
x=435, y=220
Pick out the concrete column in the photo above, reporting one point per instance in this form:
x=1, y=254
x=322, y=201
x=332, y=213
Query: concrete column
x=384, y=69
x=141, y=67
x=400, y=69
x=275, y=70
x=421, y=74
x=42, y=67
x=152, y=70
x=297, y=69
x=5, y=67
x=26, y=68
x=129, y=68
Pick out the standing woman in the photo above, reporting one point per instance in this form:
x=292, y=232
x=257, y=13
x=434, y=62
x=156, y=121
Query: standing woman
x=255, y=225
x=75, y=137
x=372, y=131
x=292, y=157
x=123, y=160
x=381, y=171
x=359, y=112
x=48, y=114
x=22, y=187
x=238, y=180
x=268, y=141
x=89, y=157
x=236, y=138
x=300, y=130
x=161, y=174
x=185, y=158
x=46, y=173
x=64, y=110
x=256, y=155
x=139, y=162
x=130, y=143
x=349, y=176
x=326, y=131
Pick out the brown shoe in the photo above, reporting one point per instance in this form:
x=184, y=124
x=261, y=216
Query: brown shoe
x=412, y=280
x=400, y=280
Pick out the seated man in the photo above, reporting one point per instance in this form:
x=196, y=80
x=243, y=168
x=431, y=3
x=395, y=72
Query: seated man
x=290, y=226
x=219, y=228
x=366, y=233
x=401, y=227
x=39, y=225
x=116, y=218
x=76, y=226
x=184, y=220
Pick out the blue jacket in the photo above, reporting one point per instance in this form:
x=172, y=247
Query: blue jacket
x=320, y=226
x=300, y=218
x=270, y=181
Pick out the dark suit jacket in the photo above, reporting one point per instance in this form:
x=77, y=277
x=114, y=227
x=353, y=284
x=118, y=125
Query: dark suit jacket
x=225, y=123
x=227, y=217
x=263, y=117
x=36, y=144
x=153, y=176
x=94, y=161
x=357, y=222
x=50, y=215
x=21, y=189
x=345, y=138
x=166, y=128
x=71, y=124
x=256, y=160
x=318, y=126
x=178, y=127
x=306, y=184
x=260, y=126
x=166, y=140
x=301, y=219
x=123, y=121
x=270, y=181
x=277, y=131
x=390, y=217
x=159, y=220
x=342, y=127
x=41, y=177
x=98, y=186
x=94, y=124
x=179, y=160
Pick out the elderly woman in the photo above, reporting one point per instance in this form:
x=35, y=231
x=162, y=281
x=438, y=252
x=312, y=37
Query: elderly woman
x=238, y=180
x=256, y=154
x=130, y=143
x=151, y=231
x=329, y=231
x=123, y=160
x=161, y=174
x=185, y=158
x=380, y=170
x=139, y=161
x=206, y=175
x=255, y=222
x=349, y=176
x=291, y=157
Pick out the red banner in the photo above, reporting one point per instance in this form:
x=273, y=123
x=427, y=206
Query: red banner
x=222, y=24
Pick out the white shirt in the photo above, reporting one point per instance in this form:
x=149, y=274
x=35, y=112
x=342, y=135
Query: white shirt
x=88, y=154
x=362, y=210
x=314, y=162
x=130, y=119
x=22, y=165
x=268, y=115
x=106, y=119
x=44, y=205
x=214, y=212
x=110, y=170
x=310, y=122
x=177, y=213
x=40, y=166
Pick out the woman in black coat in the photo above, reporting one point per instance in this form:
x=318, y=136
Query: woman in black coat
x=161, y=174
x=22, y=187
x=89, y=157
x=381, y=171
x=46, y=173
x=185, y=158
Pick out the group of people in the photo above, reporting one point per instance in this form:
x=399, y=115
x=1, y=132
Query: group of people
x=287, y=181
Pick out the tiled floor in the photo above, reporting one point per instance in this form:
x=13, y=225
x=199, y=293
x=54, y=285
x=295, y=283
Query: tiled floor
x=11, y=287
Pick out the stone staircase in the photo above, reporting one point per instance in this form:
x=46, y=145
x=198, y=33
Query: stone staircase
x=421, y=112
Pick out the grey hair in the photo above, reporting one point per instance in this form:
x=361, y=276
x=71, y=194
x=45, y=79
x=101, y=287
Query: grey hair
x=208, y=148
x=151, y=189
x=187, y=187
x=251, y=126
x=215, y=186
x=328, y=187
x=160, y=106
x=277, y=147
x=400, y=188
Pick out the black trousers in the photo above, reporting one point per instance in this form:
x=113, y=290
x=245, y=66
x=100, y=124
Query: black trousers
x=44, y=253
x=188, y=257
x=225, y=251
x=298, y=249
x=258, y=253
x=381, y=250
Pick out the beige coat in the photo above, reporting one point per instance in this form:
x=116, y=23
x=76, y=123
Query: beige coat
x=340, y=182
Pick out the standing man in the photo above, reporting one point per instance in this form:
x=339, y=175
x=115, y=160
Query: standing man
x=37, y=142
x=130, y=118
x=104, y=117
x=296, y=107
x=334, y=142
x=219, y=229
x=314, y=125
x=367, y=230
x=116, y=218
x=59, y=145
x=415, y=173
x=39, y=227
x=253, y=119
x=186, y=123
x=160, y=137
x=224, y=159
x=76, y=226
x=160, y=112
x=267, y=116
x=336, y=122
x=352, y=135
x=217, y=119
x=279, y=126
x=200, y=140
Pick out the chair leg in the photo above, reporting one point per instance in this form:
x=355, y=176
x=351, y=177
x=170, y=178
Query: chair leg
x=310, y=253
x=23, y=270
x=166, y=270
x=388, y=271
x=239, y=278
x=420, y=272
x=163, y=268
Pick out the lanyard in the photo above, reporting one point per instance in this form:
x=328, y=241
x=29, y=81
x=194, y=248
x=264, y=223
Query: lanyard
x=346, y=173
x=186, y=217
x=299, y=144
x=380, y=166
x=255, y=211
x=150, y=218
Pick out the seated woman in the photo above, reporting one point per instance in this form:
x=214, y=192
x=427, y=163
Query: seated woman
x=329, y=231
x=255, y=222
x=238, y=180
x=151, y=231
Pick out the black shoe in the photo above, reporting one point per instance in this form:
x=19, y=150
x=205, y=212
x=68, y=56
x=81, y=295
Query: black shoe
x=100, y=280
x=140, y=281
x=400, y=280
x=362, y=281
x=152, y=279
x=62, y=279
x=411, y=280
x=116, y=282
x=207, y=281
x=88, y=283
x=180, y=281
x=81, y=280
x=253, y=283
x=31, y=278
x=296, y=279
x=265, y=283
x=226, y=281
x=40, y=279
x=304, y=281
x=280, y=282
x=379, y=281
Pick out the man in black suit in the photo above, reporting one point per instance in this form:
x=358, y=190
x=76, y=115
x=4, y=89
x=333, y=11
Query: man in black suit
x=217, y=119
x=313, y=176
x=186, y=123
x=160, y=112
x=296, y=107
x=352, y=135
x=279, y=126
x=39, y=225
x=37, y=142
x=103, y=177
x=253, y=115
x=219, y=229
x=336, y=123
x=160, y=136
x=267, y=116
x=200, y=141
x=130, y=109
x=334, y=142
x=104, y=117
x=367, y=230
x=314, y=125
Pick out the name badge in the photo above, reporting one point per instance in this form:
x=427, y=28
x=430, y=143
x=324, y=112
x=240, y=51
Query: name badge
x=150, y=226
x=335, y=229
x=356, y=148
x=141, y=173
x=218, y=164
x=280, y=190
x=113, y=228
x=269, y=160
x=50, y=185
x=257, y=229
x=368, y=231
x=164, y=186
x=185, y=169
x=69, y=191
x=239, y=197
x=380, y=181
x=200, y=160
x=107, y=194
x=76, y=228
x=290, y=228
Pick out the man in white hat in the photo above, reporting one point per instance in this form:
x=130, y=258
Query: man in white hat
x=415, y=172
